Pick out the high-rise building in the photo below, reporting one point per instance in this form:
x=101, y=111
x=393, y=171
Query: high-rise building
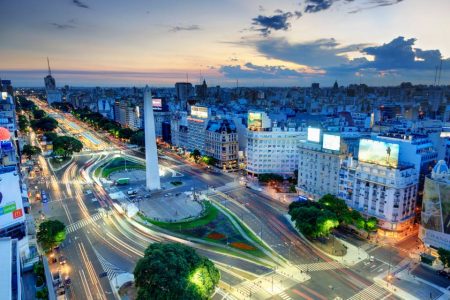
x=184, y=91
x=320, y=157
x=196, y=124
x=380, y=185
x=270, y=149
x=221, y=143
x=435, y=228
x=53, y=95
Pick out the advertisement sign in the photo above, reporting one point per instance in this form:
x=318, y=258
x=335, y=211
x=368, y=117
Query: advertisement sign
x=199, y=112
x=314, y=134
x=379, y=153
x=157, y=104
x=11, y=210
x=254, y=120
x=331, y=142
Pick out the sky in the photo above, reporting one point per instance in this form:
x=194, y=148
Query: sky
x=226, y=42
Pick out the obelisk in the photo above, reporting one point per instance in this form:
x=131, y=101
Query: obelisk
x=151, y=153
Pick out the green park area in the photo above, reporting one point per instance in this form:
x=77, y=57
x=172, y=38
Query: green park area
x=214, y=226
x=117, y=164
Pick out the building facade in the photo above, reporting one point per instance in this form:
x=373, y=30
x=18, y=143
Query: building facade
x=435, y=227
x=221, y=143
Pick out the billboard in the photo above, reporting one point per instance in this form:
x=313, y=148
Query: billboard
x=199, y=112
x=378, y=152
x=11, y=209
x=254, y=120
x=157, y=104
x=331, y=142
x=314, y=134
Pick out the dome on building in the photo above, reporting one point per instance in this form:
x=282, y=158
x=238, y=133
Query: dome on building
x=440, y=168
x=4, y=134
x=440, y=171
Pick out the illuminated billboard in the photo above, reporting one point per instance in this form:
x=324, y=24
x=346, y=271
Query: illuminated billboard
x=11, y=209
x=4, y=95
x=157, y=103
x=314, y=134
x=254, y=120
x=199, y=112
x=331, y=142
x=379, y=153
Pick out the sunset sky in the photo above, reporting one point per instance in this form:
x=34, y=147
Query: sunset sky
x=270, y=43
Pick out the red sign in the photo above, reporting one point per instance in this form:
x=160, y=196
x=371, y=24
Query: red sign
x=17, y=213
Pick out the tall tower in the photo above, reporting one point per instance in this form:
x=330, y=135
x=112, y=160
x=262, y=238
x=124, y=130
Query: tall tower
x=151, y=154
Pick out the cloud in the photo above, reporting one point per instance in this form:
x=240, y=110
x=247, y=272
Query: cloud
x=252, y=71
x=184, y=28
x=278, y=21
x=314, y=6
x=62, y=26
x=318, y=53
x=80, y=4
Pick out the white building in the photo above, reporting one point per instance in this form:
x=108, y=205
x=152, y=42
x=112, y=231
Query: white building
x=271, y=149
x=435, y=228
x=196, y=124
x=379, y=185
x=319, y=165
x=10, y=276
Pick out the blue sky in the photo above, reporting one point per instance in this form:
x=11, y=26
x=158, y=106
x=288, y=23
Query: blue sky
x=271, y=43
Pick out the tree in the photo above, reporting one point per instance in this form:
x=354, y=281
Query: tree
x=371, y=224
x=337, y=206
x=66, y=145
x=265, y=178
x=29, y=151
x=44, y=124
x=174, y=271
x=50, y=136
x=209, y=160
x=51, y=233
x=126, y=133
x=444, y=257
x=23, y=123
x=38, y=114
x=138, y=138
x=196, y=155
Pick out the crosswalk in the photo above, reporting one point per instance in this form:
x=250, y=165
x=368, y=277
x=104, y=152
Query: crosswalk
x=321, y=266
x=284, y=296
x=82, y=223
x=111, y=270
x=371, y=292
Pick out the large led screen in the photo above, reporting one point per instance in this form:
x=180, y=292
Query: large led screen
x=314, y=134
x=379, y=153
x=331, y=142
x=254, y=120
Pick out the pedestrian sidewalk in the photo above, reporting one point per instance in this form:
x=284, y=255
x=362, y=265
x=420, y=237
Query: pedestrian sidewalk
x=353, y=256
x=404, y=284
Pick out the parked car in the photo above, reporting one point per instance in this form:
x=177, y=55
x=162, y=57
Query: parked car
x=62, y=260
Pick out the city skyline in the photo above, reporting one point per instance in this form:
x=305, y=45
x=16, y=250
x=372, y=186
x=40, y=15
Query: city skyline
x=257, y=43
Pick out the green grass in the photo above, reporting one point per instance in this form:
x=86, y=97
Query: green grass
x=118, y=164
x=210, y=215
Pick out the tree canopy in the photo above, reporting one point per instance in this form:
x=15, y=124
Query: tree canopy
x=444, y=257
x=209, y=160
x=196, y=155
x=174, y=271
x=29, y=150
x=51, y=233
x=39, y=114
x=44, y=124
x=66, y=145
x=138, y=138
x=23, y=123
x=126, y=133
x=266, y=178
x=316, y=219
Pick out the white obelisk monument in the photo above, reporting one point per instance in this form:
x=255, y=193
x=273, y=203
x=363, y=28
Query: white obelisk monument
x=151, y=154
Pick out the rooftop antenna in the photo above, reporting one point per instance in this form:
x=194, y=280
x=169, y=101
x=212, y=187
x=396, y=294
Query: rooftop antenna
x=48, y=64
